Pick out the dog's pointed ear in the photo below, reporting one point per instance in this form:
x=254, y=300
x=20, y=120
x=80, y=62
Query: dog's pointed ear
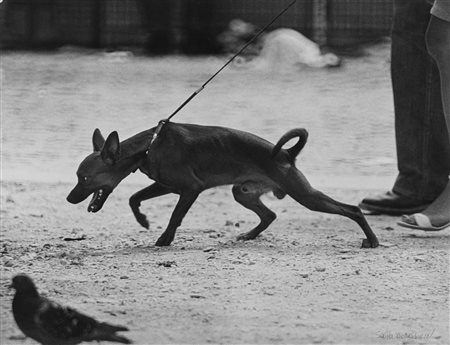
x=111, y=149
x=97, y=140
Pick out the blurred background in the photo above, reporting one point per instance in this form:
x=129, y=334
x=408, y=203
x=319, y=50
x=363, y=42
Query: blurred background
x=69, y=66
x=187, y=26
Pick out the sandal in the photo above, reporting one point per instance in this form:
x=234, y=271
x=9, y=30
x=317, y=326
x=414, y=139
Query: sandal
x=419, y=221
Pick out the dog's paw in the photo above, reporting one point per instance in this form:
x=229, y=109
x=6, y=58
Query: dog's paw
x=142, y=220
x=368, y=244
x=246, y=236
x=164, y=240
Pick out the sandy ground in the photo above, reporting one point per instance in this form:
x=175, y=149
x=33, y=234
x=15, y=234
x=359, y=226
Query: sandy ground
x=304, y=280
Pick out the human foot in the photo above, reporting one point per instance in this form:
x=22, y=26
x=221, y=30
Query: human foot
x=420, y=221
x=434, y=217
x=391, y=203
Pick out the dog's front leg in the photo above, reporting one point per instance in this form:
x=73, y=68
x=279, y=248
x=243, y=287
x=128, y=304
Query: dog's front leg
x=187, y=198
x=149, y=192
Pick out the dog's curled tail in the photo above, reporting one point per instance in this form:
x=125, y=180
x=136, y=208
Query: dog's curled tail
x=293, y=151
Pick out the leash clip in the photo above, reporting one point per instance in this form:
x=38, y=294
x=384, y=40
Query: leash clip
x=161, y=123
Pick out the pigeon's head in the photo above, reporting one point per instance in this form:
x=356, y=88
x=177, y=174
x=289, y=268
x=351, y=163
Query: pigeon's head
x=23, y=283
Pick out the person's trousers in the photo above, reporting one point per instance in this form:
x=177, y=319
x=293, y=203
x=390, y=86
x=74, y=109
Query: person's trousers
x=423, y=147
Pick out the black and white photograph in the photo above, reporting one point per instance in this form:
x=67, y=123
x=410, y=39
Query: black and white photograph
x=248, y=172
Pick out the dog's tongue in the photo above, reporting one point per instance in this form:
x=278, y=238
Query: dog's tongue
x=93, y=206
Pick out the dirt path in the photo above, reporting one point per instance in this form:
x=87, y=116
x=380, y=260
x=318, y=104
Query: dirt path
x=305, y=280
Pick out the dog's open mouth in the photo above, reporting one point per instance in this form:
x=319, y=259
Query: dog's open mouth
x=98, y=199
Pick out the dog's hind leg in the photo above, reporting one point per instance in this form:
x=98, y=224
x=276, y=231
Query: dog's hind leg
x=152, y=191
x=187, y=198
x=250, y=198
x=297, y=186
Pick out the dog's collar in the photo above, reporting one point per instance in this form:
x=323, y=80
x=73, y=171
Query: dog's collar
x=158, y=128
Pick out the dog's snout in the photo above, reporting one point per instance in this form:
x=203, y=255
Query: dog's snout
x=75, y=196
x=70, y=198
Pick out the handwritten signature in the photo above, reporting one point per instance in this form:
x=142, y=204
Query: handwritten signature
x=405, y=335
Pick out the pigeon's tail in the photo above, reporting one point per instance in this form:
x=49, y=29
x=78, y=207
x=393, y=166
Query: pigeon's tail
x=107, y=332
x=108, y=328
x=116, y=338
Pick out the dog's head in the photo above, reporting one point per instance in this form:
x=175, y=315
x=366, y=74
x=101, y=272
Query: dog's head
x=99, y=173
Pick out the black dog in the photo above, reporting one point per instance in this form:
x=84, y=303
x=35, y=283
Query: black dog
x=187, y=159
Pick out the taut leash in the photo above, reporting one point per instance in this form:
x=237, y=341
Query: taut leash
x=200, y=89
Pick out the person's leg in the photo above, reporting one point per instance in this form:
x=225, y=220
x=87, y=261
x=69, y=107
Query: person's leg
x=423, y=152
x=438, y=43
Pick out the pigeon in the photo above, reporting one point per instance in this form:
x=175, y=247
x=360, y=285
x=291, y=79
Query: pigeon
x=49, y=323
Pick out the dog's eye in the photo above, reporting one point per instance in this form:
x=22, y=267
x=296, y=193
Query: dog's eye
x=84, y=178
